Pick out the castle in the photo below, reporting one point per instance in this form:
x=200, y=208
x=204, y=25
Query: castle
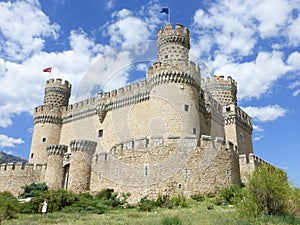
x=173, y=132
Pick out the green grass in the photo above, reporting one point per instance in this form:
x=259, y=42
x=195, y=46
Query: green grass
x=196, y=213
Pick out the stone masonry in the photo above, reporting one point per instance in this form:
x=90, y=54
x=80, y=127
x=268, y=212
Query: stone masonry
x=173, y=132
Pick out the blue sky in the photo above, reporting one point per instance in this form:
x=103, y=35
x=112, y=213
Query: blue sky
x=256, y=42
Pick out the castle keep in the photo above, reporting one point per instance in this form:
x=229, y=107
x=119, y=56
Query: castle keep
x=173, y=132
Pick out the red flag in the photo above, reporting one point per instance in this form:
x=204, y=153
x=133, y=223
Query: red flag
x=47, y=70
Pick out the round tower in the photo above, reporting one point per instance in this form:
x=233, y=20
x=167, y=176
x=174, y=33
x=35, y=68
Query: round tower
x=47, y=119
x=173, y=45
x=80, y=165
x=55, y=173
x=174, y=82
x=57, y=93
x=223, y=90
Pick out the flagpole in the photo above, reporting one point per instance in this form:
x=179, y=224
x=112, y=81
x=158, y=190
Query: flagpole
x=169, y=15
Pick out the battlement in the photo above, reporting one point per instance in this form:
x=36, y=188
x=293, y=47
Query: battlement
x=56, y=149
x=58, y=83
x=159, y=67
x=233, y=113
x=19, y=166
x=179, y=35
x=83, y=145
x=218, y=142
x=220, y=79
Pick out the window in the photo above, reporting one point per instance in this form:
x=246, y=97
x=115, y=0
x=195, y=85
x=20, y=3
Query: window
x=227, y=109
x=100, y=133
x=166, y=56
x=186, y=108
x=44, y=139
x=31, y=156
x=194, y=131
x=241, y=137
x=146, y=170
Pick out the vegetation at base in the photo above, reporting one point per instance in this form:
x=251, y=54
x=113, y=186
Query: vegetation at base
x=163, y=201
x=268, y=193
x=31, y=189
x=8, y=206
x=267, y=199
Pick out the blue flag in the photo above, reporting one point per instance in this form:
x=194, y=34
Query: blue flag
x=165, y=10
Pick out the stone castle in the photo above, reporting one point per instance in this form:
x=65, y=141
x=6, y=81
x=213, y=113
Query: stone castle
x=173, y=132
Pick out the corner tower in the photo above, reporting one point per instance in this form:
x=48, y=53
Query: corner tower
x=47, y=119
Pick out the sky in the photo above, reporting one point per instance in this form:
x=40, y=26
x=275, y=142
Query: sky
x=256, y=42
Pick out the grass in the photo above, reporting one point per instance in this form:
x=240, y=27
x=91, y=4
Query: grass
x=195, y=213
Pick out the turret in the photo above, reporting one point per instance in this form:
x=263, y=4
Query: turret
x=47, y=119
x=80, y=166
x=223, y=90
x=55, y=173
x=57, y=92
x=173, y=45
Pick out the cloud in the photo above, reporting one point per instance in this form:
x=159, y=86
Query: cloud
x=23, y=27
x=266, y=113
x=256, y=77
x=249, y=45
x=110, y=4
x=6, y=141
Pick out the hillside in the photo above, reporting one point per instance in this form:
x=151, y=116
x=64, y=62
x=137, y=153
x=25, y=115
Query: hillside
x=7, y=158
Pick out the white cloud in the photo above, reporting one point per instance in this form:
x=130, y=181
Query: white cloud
x=110, y=4
x=6, y=141
x=266, y=113
x=247, y=40
x=23, y=27
x=256, y=77
x=257, y=128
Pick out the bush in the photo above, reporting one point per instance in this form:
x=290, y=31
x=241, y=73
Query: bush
x=86, y=206
x=198, y=197
x=228, y=195
x=57, y=199
x=162, y=200
x=9, y=206
x=267, y=193
x=30, y=190
x=171, y=221
x=110, y=198
x=178, y=201
x=146, y=205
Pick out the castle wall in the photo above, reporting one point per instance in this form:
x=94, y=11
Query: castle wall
x=14, y=176
x=176, y=168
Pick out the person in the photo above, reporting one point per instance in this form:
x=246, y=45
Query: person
x=45, y=205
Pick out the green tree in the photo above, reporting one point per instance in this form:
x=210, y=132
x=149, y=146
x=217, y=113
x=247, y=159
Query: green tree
x=267, y=192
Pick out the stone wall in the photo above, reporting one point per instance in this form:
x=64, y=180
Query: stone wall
x=179, y=167
x=14, y=176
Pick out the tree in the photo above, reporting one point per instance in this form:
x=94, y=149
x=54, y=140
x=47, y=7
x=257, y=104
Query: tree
x=267, y=192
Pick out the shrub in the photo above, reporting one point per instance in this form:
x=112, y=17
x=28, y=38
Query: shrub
x=86, y=206
x=146, y=205
x=267, y=192
x=171, y=221
x=228, y=195
x=30, y=190
x=198, y=197
x=57, y=199
x=110, y=198
x=178, y=201
x=9, y=206
x=162, y=200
